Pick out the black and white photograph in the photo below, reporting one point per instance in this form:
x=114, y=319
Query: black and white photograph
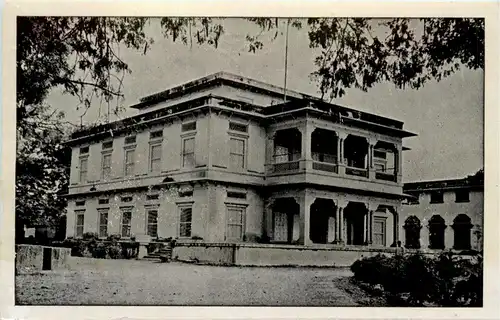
x=250, y=161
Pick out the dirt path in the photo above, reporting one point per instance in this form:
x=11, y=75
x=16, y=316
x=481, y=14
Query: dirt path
x=131, y=282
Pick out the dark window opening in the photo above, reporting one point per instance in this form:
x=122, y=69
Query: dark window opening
x=80, y=203
x=462, y=196
x=191, y=126
x=436, y=232
x=156, y=134
x=126, y=199
x=437, y=197
x=103, y=201
x=107, y=145
x=84, y=150
x=412, y=228
x=238, y=127
x=152, y=197
x=130, y=140
x=236, y=195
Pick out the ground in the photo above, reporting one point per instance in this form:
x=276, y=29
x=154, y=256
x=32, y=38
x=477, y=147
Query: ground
x=136, y=282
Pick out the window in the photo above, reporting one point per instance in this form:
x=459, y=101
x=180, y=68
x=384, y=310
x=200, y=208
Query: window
x=188, y=153
x=462, y=232
x=186, y=193
x=130, y=140
x=412, y=228
x=79, y=223
x=237, y=153
x=238, y=127
x=462, y=196
x=379, y=231
x=379, y=154
x=236, y=195
x=106, y=166
x=103, y=201
x=152, y=225
x=436, y=232
x=156, y=134
x=107, y=145
x=185, y=222
x=80, y=203
x=126, y=223
x=126, y=199
x=103, y=223
x=150, y=197
x=129, y=162
x=83, y=169
x=235, y=222
x=190, y=126
x=155, y=158
x=437, y=197
x=84, y=150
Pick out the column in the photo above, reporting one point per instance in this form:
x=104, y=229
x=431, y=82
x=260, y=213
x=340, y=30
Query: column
x=398, y=163
x=270, y=151
x=267, y=231
x=337, y=223
x=396, y=228
x=306, y=131
x=371, y=164
x=365, y=228
x=304, y=224
x=370, y=225
x=341, y=136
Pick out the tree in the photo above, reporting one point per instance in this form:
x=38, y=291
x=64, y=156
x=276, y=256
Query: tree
x=42, y=170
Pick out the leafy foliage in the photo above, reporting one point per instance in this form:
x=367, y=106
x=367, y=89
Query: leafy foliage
x=415, y=280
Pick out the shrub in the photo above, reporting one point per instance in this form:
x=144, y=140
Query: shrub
x=114, y=250
x=99, y=250
x=415, y=279
x=90, y=236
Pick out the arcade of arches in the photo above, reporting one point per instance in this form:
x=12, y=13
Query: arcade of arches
x=462, y=227
x=321, y=221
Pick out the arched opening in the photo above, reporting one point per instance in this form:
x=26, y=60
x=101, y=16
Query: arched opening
x=355, y=213
x=285, y=216
x=412, y=228
x=436, y=232
x=287, y=149
x=385, y=161
x=324, y=150
x=462, y=232
x=356, y=155
x=321, y=212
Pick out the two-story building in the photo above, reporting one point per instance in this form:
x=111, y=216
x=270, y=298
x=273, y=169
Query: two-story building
x=444, y=214
x=226, y=159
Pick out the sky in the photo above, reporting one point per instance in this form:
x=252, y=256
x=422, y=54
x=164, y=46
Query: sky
x=446, y=115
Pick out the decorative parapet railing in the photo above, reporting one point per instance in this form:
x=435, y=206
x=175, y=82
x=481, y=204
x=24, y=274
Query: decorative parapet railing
x=286, y=166
x=325, y=166
x=359, y=172
x=385, y=176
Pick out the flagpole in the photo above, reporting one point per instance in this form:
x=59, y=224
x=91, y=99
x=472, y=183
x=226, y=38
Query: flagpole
x=286, y=56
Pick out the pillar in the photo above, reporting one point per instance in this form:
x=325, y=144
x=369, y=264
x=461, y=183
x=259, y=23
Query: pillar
x=371, y=151
x=398, y=163
x=341, y=136
x=396, y=228
x=270, y=152
x=370, y=224
x=267, y=231
x=305, y=202
x=306, y=131
x=337, y=224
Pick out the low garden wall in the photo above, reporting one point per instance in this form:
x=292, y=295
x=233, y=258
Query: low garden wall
x=34, y=258
x=247, y=254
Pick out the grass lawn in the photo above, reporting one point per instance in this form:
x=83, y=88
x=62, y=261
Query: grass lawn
x=134, y=282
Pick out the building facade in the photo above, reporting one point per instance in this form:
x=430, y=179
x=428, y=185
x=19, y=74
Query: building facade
x=444, y=214
x=226, y=159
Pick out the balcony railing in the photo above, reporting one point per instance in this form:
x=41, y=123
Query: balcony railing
x=354, y=171
x=284, y=162
x=286, y=166
x=325, y=162
x=385, y=176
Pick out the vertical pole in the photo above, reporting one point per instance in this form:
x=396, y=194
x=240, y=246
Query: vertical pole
x=286, y=57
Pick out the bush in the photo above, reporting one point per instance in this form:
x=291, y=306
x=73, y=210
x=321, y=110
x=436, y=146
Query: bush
x=99, y=250
x=415, y=279
x=130, y=250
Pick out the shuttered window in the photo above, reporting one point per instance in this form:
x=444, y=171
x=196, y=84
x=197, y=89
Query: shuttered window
x=185, y=222
x=106, y=166
x=379, y=231
x=152, y=227
x=126, y=223
x=103, y=223
x=235, y=223
x=155, y=156
x=79, y=223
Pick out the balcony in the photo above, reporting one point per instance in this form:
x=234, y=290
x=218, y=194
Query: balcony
x=325, y=162
x=286, y=162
